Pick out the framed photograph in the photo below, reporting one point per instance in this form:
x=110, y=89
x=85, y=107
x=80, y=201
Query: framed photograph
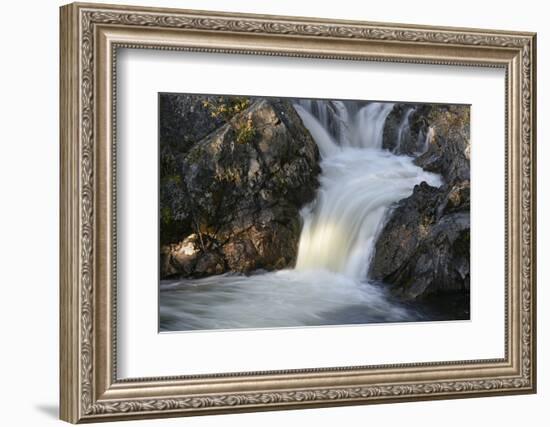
x=266, y=212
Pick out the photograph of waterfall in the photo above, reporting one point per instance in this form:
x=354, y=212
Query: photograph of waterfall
x=287, y=212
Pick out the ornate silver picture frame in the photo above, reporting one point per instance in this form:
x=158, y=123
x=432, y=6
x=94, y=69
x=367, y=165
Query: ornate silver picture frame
x=91, y=35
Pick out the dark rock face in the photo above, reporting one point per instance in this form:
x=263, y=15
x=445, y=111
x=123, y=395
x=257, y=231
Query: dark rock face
x=185, y=120
x=424, y=248
x=449, y=150
x=406, y=129
x=236, y=194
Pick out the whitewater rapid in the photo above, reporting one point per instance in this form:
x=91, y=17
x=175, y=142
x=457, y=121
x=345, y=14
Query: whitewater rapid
x=359, y=182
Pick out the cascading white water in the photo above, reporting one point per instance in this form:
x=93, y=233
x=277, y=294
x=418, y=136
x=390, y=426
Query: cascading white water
x=369, y=125
x=358, y=184
x=320, y=134
x=428, y=140
x=404, y=125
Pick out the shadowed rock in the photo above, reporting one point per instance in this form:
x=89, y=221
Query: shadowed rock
x=406, y=129
x=238, y=192
x=448, y=152
x=424, y=248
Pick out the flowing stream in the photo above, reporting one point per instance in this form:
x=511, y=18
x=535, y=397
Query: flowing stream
x=329, y=286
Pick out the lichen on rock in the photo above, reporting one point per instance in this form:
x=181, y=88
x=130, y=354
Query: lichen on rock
x=424, y=248
x=239, y=192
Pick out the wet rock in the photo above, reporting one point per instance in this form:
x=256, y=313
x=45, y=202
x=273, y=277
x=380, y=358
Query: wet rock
x=210, y=263
x=180, y=257
x=448, y=152
x=406, y=129
x=424, y=248
x=184, y=121
x=241, y=188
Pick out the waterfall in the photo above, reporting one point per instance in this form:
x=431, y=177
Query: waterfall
x=369, y=124
x=325, y=141
x=428, y=140
x=403, y=125
x=358, y=184
x=333, y=116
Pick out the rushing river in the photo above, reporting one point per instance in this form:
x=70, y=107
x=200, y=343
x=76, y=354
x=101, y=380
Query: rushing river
x=358, y=184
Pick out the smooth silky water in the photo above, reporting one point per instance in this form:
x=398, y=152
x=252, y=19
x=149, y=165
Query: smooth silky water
x=359, y=183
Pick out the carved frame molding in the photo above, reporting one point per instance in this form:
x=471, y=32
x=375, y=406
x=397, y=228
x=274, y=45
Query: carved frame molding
x=90, y=36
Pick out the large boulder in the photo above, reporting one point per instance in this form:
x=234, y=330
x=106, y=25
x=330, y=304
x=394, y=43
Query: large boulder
x=184, y=121
x=240, y=191
x=424, y=248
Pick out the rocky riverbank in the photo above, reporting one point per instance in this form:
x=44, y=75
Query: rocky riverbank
x=423, y=251
x=235, y=173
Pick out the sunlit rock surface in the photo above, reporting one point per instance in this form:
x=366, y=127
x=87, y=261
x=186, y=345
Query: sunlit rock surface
x=235, y=195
